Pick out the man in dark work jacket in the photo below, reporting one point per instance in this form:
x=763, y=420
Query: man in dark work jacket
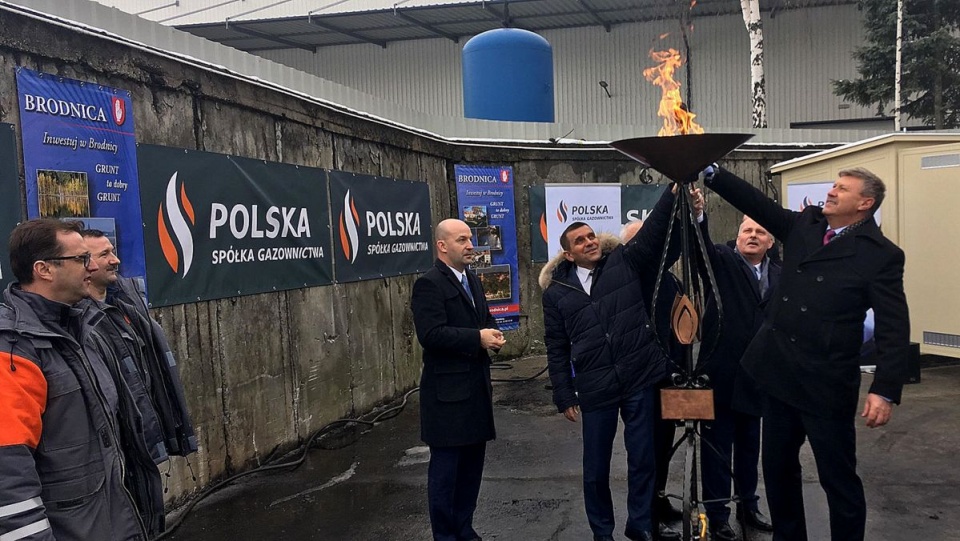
x=455, y=328
x=806, y=355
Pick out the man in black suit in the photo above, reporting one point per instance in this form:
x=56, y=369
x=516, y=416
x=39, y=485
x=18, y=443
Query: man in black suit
x=746, y=279
x=805, y=357
x=455, y=328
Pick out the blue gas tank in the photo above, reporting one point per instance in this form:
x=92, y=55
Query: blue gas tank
x=508, y=75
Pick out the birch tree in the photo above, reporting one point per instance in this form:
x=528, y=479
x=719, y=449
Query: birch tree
x=758, y=85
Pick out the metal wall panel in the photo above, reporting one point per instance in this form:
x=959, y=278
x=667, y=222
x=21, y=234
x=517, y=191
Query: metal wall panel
x=586, y=115
x=420, y=75
x=205, y=11
x=804, y=51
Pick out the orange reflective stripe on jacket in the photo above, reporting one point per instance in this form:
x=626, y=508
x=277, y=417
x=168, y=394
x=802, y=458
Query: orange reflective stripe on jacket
x=23, y=399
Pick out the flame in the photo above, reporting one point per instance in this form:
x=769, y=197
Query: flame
x=676, y=119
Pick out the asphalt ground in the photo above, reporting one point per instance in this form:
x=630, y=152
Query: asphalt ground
x=369, y=483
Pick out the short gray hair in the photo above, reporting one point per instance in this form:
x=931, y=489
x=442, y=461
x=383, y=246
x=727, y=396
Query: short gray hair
x=872, y=185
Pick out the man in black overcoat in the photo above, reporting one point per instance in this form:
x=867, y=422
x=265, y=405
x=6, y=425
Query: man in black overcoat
x=456, y=330
x=806, y=356
x=746, y=279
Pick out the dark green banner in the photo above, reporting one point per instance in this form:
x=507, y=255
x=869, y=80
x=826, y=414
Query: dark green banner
x=9, y=197
x=220, y=226
x=637, y=200
x=381, y=225
x=538, y=224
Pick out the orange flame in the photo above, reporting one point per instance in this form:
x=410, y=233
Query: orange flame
x=676, y=119
x=166, y=243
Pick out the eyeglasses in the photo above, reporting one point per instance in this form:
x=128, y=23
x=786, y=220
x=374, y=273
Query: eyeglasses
x=83, y=258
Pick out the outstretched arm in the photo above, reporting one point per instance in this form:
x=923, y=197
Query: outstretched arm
x=752, y=202
x=644, y=249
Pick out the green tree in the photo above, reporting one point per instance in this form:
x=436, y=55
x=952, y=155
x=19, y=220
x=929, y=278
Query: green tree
x=930, y=79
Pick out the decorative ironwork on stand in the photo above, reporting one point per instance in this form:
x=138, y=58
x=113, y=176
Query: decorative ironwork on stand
x=681, y=158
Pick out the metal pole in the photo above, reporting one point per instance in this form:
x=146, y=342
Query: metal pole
x=899, y=68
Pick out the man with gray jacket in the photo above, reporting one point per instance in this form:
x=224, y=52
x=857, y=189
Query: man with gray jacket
x=61, y=405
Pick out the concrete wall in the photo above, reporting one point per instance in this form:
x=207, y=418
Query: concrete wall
x=265, y=371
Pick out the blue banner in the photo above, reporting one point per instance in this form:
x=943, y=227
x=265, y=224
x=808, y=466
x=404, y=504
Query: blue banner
x=485, y=202
x=80, y=158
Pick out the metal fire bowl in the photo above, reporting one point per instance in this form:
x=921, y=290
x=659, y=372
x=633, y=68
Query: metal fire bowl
x=681, y=157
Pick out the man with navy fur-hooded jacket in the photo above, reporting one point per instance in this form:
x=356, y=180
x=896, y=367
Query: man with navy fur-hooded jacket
x=604, y=359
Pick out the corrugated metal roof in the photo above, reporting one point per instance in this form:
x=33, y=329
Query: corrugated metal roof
x=92, y=19
x=381, y=22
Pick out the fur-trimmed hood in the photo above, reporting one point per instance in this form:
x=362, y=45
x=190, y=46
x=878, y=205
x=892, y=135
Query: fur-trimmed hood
x=607, y=243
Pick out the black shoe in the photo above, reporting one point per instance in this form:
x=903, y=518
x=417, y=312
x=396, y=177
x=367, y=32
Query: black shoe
x=634, y=535
x=603, y=538
x=666, y=533
x=721, y=531
x=755, y=519
x=666, y=512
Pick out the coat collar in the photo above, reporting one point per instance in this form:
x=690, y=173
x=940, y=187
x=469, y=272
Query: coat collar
x=559, y=269
x=843, y=246
x=32, y=314
x=452, y=278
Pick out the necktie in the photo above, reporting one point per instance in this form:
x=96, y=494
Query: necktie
x=588, y=283
x=828, y=236
x=466, y=287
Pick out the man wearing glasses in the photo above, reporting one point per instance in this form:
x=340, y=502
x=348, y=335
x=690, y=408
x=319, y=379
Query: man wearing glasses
x=63, y=412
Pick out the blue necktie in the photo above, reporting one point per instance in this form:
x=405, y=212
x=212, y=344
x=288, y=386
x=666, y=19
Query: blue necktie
x=466, y=287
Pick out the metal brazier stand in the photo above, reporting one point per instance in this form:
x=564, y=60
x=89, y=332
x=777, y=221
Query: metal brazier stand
x=690, y=401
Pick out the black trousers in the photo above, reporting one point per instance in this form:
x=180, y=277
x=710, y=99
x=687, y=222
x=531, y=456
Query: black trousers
x=453, y=485
x=599, y=431
x=664, y=433
x=834, y=446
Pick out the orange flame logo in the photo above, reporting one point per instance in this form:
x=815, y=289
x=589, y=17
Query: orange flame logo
x=179, y=209
x=349, y=221
x=676, y=119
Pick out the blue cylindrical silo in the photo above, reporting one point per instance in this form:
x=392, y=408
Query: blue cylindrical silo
x=508, y=75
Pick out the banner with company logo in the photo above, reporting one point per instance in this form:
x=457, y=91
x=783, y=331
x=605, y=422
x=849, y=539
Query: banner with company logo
x=597, y=205
x=485, y=203
x=80, y=158
x=801, y=196
x=636, y=203
x=221, y=226
x=538, y=224
x=9, y=198
x=381, y=225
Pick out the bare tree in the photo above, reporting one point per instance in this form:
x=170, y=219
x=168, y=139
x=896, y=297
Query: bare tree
x=751, y=18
